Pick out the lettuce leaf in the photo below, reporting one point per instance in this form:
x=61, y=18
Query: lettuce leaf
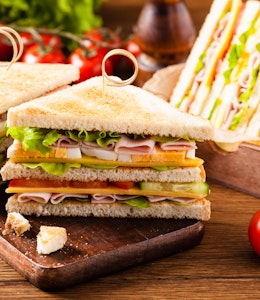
x=236, y=51
x=244, y=98
x=57, y=169
x=41, y=139
x=34, y=139
x=140, y=202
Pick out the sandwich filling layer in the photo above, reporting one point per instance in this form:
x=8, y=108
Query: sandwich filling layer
x=133, y=193
x=43, y=147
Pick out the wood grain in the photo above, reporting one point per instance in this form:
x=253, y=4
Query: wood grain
x=222, y=266
x=95, y=247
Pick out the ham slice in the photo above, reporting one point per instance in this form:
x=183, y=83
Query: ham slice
x=140, y=146
x=100, y=198
x=94, y=145
x=58, y=198
x=44, y=198
x=178, y=145
x=37, y=197
x=175, y=199
x=65, y=142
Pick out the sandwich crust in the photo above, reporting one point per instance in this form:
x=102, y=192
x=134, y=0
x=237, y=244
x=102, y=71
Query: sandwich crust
x=24, y=82
x=187, y=174
x=127, y=109
x=199, y=210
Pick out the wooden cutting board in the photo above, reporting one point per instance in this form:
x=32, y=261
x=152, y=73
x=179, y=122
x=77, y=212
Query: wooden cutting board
x=95, y=247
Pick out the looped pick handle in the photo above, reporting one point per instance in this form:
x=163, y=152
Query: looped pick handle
x=113, y=80
x=15, y=39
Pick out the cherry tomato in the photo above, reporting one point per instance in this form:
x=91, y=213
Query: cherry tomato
x=254, y=232
x=6, y=49
x=89, y=66
x=50, y=40
x=133, y=47
x=106, y=39
x=35, y=54
x=126, y=185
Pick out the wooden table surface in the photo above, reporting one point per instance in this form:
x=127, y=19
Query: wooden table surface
x=222, y=266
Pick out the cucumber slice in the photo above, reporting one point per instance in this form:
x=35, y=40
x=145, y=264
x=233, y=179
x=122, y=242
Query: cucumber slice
x=198, y=188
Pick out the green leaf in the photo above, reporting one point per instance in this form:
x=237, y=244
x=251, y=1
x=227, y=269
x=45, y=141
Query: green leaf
x=57, y=169
x=258, y=47
x=76, y=16
x=200, y=64
x=140, y=202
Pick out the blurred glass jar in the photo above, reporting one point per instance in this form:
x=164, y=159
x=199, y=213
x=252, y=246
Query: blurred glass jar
x=165, y=33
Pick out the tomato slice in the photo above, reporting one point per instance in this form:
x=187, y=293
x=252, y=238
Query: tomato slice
x=37, y=183
x=126, y=185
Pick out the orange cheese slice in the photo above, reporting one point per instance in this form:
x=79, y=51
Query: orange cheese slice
x=160, y=156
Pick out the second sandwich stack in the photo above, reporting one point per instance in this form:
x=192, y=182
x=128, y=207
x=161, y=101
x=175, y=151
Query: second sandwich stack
x=118, y=152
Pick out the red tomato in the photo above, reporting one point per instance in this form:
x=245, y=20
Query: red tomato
x=89, y=66
x=32, y=183
x=51, y=40
x=106, y=39
x=126, y=185
x=35, y=54
x=133, y=47
x=109, y=38
x=254, y=232
x=6, y=49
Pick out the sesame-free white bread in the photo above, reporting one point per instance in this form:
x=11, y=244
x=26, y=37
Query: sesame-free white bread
x=199, y=210
x=15, y=222
x=127, y=109
x=23, y=82
x=51, y=239
x=188, y=174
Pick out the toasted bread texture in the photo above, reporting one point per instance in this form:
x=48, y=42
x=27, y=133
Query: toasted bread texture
x=17, y=223
x=199, y=210
x=51, y=239
x=187, y=174
x=23, y=82
x=126, y=109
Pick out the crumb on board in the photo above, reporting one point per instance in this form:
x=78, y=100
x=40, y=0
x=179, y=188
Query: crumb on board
x=16, y=223
x=50, y=239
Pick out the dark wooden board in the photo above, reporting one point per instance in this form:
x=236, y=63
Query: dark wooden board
x=95, y=247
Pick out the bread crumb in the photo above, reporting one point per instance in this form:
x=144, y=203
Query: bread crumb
x=50, y=239
x=17, y=223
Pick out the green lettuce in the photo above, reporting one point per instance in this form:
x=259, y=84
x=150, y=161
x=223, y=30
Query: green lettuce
x=244, y=97
x=140, y=202
x=57, y=169
x=236, y=52
x=41, y=139
x=200, y=63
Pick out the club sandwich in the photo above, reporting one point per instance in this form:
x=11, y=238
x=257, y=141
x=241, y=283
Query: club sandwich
x=105, y=151
x=222, y=84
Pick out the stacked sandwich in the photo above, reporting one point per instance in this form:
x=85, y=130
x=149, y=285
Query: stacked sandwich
x=22, y=82
x=220, y=80
x=107, y=151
